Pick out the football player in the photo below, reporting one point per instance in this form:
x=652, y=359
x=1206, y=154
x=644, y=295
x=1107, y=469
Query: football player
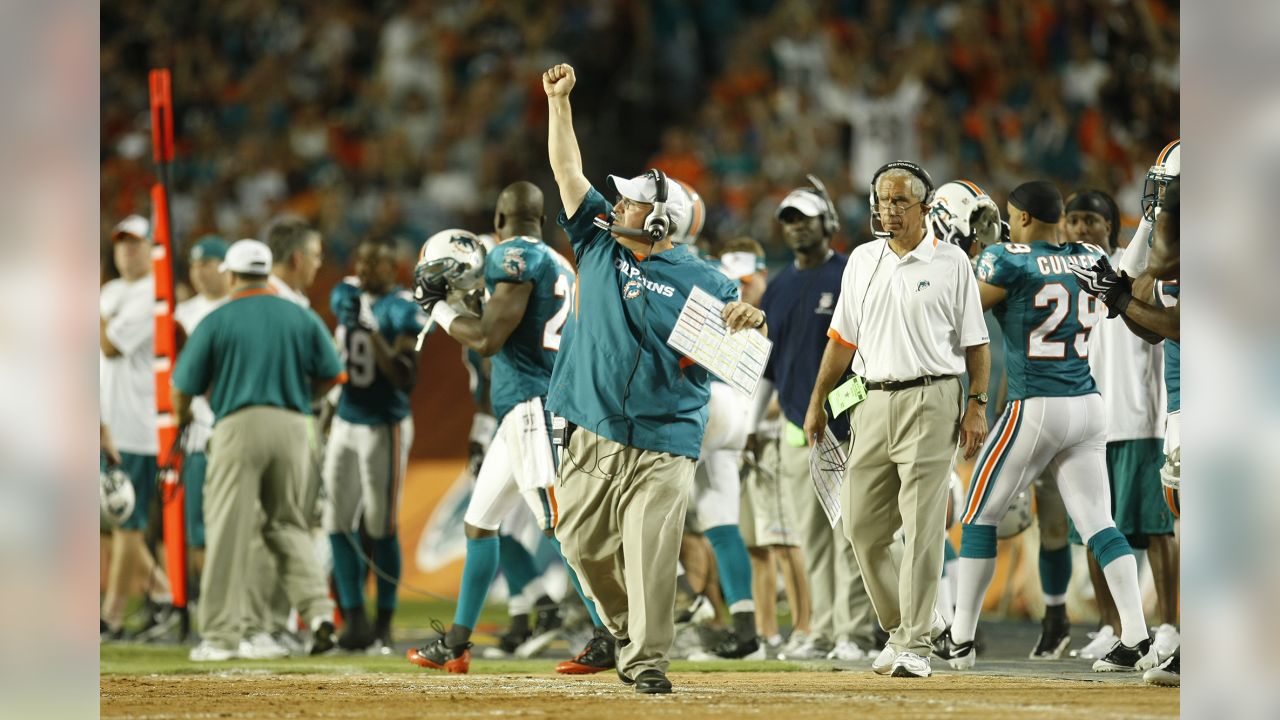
x=368, y=449
x=1055, y=421
x=531, y=293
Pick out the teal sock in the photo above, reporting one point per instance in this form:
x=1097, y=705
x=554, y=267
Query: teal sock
x=978, y=542
x=386, y=554
x=577, y=586
x=348, y=569
x=948, y=551
x=1055, y=571
x=733, y=561
x=478, y=571
x=517, y=564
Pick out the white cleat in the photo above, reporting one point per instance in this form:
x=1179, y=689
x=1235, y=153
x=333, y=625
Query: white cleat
x=1103, y=640
x=848, y=651
x=1166, y=640
x=262, y=647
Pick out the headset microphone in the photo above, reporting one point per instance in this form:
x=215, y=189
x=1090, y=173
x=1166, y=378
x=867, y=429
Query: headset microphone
x=609, y=225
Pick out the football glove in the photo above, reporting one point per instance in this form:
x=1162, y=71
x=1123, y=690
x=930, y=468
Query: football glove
x=429, y=290
x=1101, y=281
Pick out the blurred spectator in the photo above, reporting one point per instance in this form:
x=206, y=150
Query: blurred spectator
x=378, y=114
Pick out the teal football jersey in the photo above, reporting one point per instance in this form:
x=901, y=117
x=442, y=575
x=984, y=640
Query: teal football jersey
x=1046, y=317
x=522, y=368
x=1167, y=296
x=368, y=397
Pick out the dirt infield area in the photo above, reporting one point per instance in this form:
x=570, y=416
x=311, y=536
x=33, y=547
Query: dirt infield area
x=807, y=695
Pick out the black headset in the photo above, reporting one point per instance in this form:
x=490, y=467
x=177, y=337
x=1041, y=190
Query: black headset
x=830, y=218
x=877, y=228
x=658, y=224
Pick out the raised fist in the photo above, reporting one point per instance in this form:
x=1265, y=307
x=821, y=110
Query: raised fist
x=558, y=81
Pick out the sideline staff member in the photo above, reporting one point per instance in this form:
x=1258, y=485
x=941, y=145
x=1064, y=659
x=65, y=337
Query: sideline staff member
x=909, y=308
x=262, y=358
x=639, y=407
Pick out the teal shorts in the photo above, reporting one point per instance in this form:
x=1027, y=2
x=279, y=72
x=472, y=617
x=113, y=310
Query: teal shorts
x=141, y=470
x=193, y=470
x=1137, y=497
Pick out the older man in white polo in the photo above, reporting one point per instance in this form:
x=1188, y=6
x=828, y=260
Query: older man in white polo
x=908, y=323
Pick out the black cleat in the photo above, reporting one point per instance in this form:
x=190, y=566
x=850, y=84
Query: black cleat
x=324, y=638
x=1123, y=658
x=960, y=656
x=357, y=635
x=1055, y=637
x=599, y=655
x=733, y=649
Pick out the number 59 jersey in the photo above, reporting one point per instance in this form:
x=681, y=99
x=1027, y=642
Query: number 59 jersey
x=368, y=397
x=1045, y=316
x=522, y=368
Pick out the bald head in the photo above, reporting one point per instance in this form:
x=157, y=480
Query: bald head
x=519, y=211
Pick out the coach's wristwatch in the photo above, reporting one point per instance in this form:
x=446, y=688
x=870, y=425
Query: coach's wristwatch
x=980, y=397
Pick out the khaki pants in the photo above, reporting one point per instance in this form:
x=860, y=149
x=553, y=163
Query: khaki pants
x=838, y=596
x=899, y=465
x=267, y=608
x=621, y=518
x=257, y=456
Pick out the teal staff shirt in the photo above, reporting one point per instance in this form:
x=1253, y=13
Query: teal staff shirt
x=615, y=375
x=257, y=349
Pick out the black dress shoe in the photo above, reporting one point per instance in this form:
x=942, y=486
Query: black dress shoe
x=652, y=682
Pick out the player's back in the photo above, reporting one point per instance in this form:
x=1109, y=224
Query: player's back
x=1045, y=316
x=369, y=397
x=522, y=368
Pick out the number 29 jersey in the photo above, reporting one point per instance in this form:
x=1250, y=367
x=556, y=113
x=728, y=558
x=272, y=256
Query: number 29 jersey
x=522, y=368
x=368, y=397
x=1045, y=316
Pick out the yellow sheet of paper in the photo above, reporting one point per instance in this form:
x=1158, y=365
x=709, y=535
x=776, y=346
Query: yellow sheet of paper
x=852, y=392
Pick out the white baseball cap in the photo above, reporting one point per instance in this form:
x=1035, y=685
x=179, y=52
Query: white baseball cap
x=132, y=226
x=642, y=188
x=247, y=256
x=806, y=201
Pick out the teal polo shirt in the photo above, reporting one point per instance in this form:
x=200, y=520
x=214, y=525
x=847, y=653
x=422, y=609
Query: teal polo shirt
x=257, y=349
x=615, y=375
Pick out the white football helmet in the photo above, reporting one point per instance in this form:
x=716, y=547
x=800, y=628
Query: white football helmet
x=115, y=496
x=962, y=214
x=1168, y=166
x=457, y=255
x=1018, y=517
x=697, y=216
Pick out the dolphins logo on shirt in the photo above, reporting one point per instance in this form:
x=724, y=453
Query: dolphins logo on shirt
x=631, y=290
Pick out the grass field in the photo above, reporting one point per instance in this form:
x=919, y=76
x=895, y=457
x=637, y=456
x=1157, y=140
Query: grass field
x=157, y=681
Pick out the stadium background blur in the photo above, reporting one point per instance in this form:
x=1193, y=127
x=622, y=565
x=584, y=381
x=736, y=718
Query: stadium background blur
x=396, y=119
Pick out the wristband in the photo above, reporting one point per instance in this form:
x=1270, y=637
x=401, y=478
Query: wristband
x=763, y=319
x=444, y=315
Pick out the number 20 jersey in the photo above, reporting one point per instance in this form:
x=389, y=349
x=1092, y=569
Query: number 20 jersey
x=522, y=368
x=1045, y=316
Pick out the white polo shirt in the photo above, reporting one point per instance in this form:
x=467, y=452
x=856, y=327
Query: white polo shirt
x=908, y=317
x=283, y=290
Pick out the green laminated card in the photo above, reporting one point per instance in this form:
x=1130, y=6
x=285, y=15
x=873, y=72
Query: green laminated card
x=850, y=393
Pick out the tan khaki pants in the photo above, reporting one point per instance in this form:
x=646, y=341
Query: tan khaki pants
x=838, y=596
x=257, y=456
x=903, y=446
x=621, y=518
x=267, y=608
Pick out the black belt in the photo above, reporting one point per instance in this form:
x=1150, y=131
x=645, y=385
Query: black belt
x=892, y=385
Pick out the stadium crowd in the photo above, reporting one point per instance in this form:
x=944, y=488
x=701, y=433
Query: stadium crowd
x=401, y=118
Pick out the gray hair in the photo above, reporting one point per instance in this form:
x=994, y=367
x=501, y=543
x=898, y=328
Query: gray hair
x=915, y=184
x=286, y=235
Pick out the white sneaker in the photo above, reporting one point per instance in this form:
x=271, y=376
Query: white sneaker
x=938, y=627
x=808, y=649
x=909, y=664
x=1103, y=640
x=883, y=664
x=847, y=651
x=773, y=641
x=1166, y=641
x=207, y=652
x=262, y=647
